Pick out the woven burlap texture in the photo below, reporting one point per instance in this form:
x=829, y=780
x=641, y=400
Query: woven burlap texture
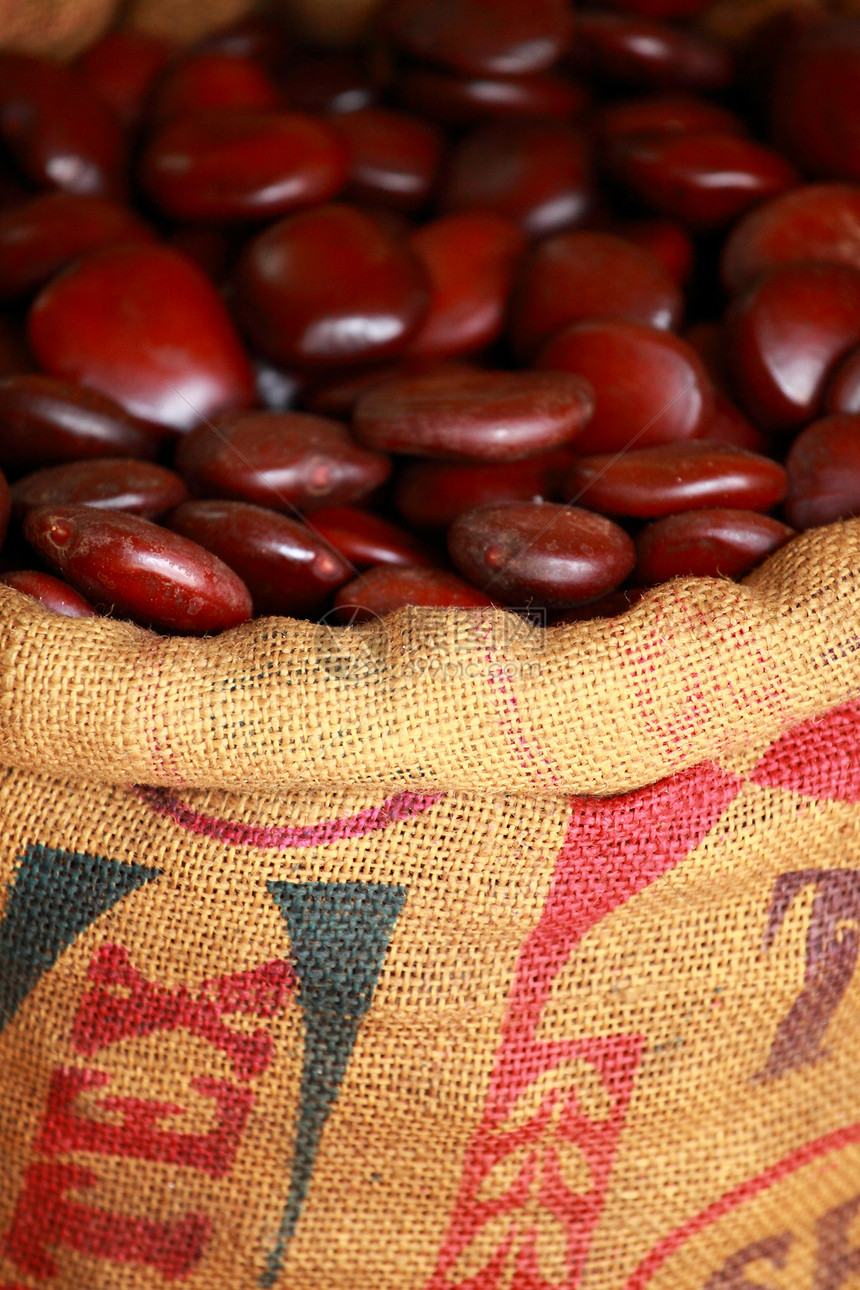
x=427, y=699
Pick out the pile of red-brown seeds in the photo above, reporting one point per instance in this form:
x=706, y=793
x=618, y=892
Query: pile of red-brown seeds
x=536, y=311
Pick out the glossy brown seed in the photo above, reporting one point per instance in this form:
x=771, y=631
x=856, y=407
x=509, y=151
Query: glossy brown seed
x=508, y=38
x=842, y=393
x=395, y=157
x=714, y=543
x=650, y=482
x=669, y=243
x=612, y=605
x=470, y=260
x=638, y=52
x=365, y=539
x=385, y=588
x=462, y=101
x=536, y=173
x=539, y=552
x=49, y=591
x=58, y=130
x=45, y=421
x=41, y=236
x=145, y=326
x=577, y=276
x=814, y=101
x=474, y=416
x=728, y=425
x=332, y=82
x=666, y=114
x=121, y=67
x=329, y=287
x=287, y=568
x=281, y=460
x=823, y=466
x=650, y=386
x=135, y=569
x=110, y=483
x=430, y=494
x=784, y=337
x=814, y=222
x=703, y=180
x=335, y=393
x=228, y=164
x=211, y=79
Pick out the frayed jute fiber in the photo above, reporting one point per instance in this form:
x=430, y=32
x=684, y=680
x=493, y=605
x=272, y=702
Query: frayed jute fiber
x=445, y=953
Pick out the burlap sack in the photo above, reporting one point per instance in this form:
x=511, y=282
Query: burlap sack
x=441, y=954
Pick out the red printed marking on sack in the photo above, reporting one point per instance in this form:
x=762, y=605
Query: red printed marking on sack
x=138, y=1136
x=537, y=1168
x=45, y=1217
x=817, y=758
x=124, y=1005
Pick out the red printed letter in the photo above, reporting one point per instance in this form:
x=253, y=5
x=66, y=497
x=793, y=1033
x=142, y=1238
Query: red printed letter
x=43, y=1217
x=124, y=1005
x=138, y=1136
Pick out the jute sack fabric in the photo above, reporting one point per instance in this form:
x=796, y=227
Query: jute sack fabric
x=440, y=954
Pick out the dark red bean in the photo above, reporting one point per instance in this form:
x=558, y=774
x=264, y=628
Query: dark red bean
x=814, y=103
x=335, y=394
x=718, y=543
x=121, y=67
x=578, y=276
x=281, y=460
x=650, y=386
x=387, y=587
x=256, y=36
x=15, y=355
x=50, y=592
x=728, y=426
x=635, y=51
x=57, y=128
x=45, y=421
x=211, y=80
x=785, y=335
x=42, y=236
x=395, y=157
x=823, y=466
x=703, y=180
x=143, y=325
x=662, y=8
x=287, y=568
x=650, y=482
x=669, y=243
x=110, y=483
x=430, y=494
x=224, y=164
x=329, y=287
x=612, y=605
x=536, y=173
x=470, y=261
x=474, y=416
x=365, y=539
x=138, y=570
x=539, y=552
x=842, y=393
x=459, y=100
x=211, y=248
x=332, y=82
x=667, y=114
x=508, y=39
x=815, y=222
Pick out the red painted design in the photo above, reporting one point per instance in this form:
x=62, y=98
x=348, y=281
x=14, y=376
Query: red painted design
x=789, y=1164
x=45, y=1217
x=402, y=806
x=137, y=1135
x=817, y=758
x=124, y=1005
x=536, y=1107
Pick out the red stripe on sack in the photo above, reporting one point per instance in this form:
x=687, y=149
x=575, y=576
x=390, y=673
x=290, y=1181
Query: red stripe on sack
x=732, y=1199
x=817, y=758
x=402, y=806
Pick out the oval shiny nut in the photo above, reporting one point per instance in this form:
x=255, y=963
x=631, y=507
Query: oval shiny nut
x=51, y=592
x=713, y=543
x=385, y=588
x=287, y=568
x=281, y=460
x=540, y=552
x=138, y=570
x=365, y=539
x=109, y=483
x=45, y=420
x=475, y=416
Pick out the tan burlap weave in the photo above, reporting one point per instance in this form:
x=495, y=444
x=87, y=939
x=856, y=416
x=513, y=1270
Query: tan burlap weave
x=442, y=953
